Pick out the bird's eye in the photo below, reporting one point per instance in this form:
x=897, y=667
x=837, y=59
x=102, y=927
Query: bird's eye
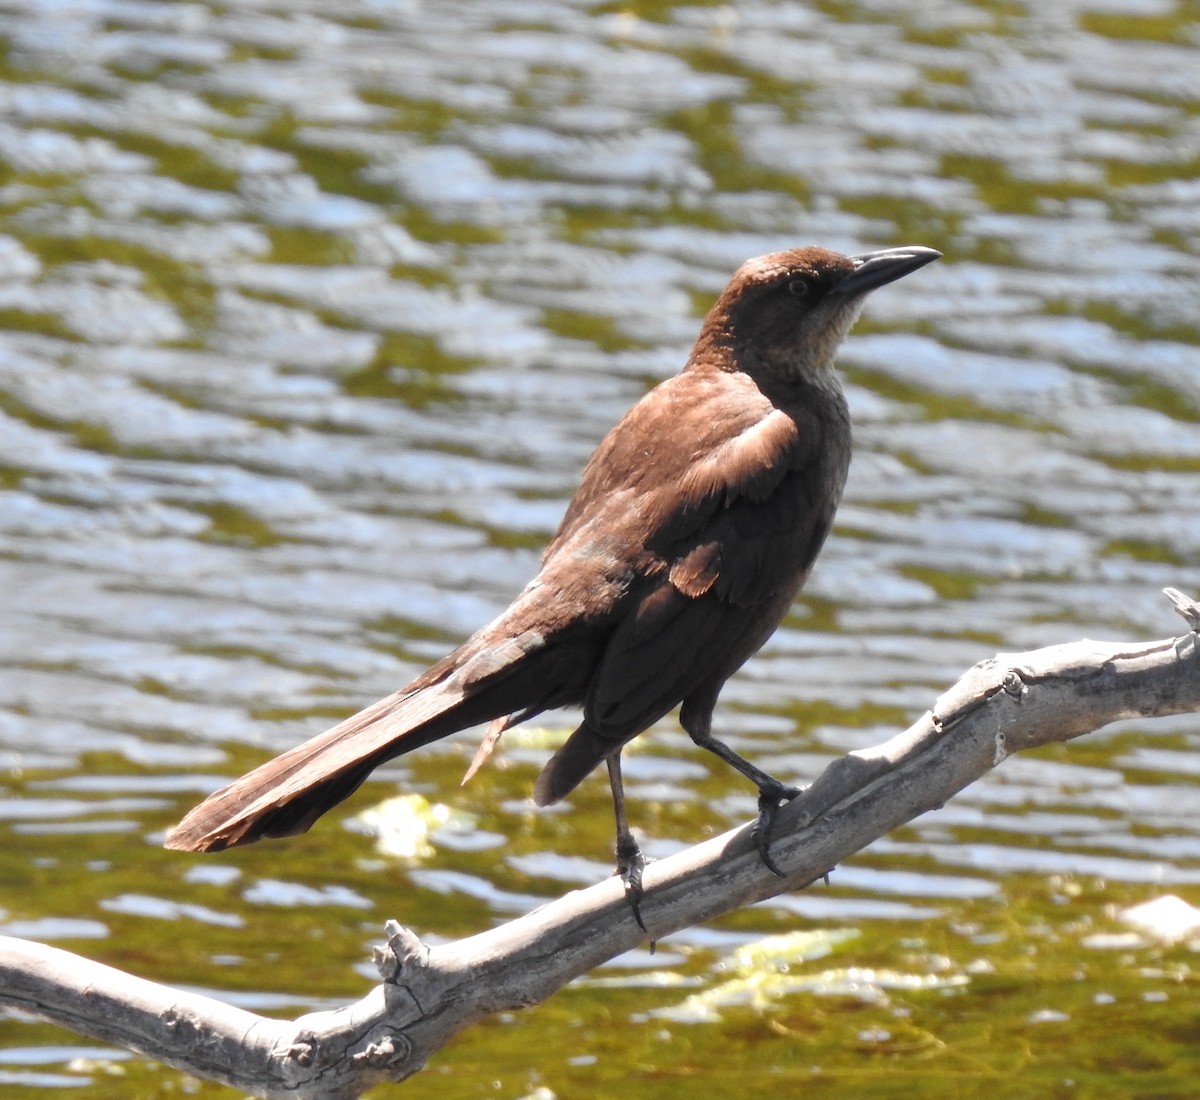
x=797, y=288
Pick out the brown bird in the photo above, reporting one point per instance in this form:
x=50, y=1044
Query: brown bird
x=697, y=520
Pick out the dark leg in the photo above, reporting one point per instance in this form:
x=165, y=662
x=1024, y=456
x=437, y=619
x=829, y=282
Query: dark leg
x=771, y=793
x=630, y=860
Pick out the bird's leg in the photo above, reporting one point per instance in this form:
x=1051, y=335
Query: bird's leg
x=771, y=792
x=630, y=860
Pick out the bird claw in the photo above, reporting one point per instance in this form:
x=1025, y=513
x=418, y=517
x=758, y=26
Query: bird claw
x=630, y=864
x=770, y=797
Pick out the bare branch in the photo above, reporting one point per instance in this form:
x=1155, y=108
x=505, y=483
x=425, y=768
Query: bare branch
x=1001, y=706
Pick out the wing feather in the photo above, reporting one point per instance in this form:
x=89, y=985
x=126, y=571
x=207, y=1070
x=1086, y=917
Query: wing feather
x=735, y=550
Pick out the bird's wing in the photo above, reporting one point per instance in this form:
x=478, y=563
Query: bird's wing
x=740, y=539
x=729, y=539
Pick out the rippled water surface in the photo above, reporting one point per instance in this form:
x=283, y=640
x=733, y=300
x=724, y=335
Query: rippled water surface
x=310, y=313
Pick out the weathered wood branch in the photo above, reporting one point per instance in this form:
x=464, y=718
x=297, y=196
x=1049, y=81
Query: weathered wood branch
x=1001, y=706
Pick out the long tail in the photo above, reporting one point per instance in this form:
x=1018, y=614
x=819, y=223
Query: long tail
x=284, y=796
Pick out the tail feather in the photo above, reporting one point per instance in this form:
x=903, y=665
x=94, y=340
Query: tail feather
x=286, y=795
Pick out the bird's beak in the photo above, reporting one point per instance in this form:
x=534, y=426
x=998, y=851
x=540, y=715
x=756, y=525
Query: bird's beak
x=875, y=269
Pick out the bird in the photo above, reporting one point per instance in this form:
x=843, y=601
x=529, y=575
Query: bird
x=696, y=522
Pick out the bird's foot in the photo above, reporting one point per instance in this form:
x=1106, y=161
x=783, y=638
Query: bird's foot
x=630, y=864
x=770, y=797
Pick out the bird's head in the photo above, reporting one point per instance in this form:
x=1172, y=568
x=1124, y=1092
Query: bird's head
x=784, y=314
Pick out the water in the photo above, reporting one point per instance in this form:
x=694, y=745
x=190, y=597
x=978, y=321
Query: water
x=312, y=312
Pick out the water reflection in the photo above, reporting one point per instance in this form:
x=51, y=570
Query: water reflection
x=310, y=316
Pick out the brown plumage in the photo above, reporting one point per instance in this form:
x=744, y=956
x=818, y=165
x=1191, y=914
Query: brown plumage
x=696, y=522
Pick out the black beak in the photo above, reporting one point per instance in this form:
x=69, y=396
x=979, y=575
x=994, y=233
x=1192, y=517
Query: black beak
x=875, y=269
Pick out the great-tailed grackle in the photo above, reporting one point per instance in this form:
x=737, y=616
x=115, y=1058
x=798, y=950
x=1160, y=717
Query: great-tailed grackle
x=697, y=520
